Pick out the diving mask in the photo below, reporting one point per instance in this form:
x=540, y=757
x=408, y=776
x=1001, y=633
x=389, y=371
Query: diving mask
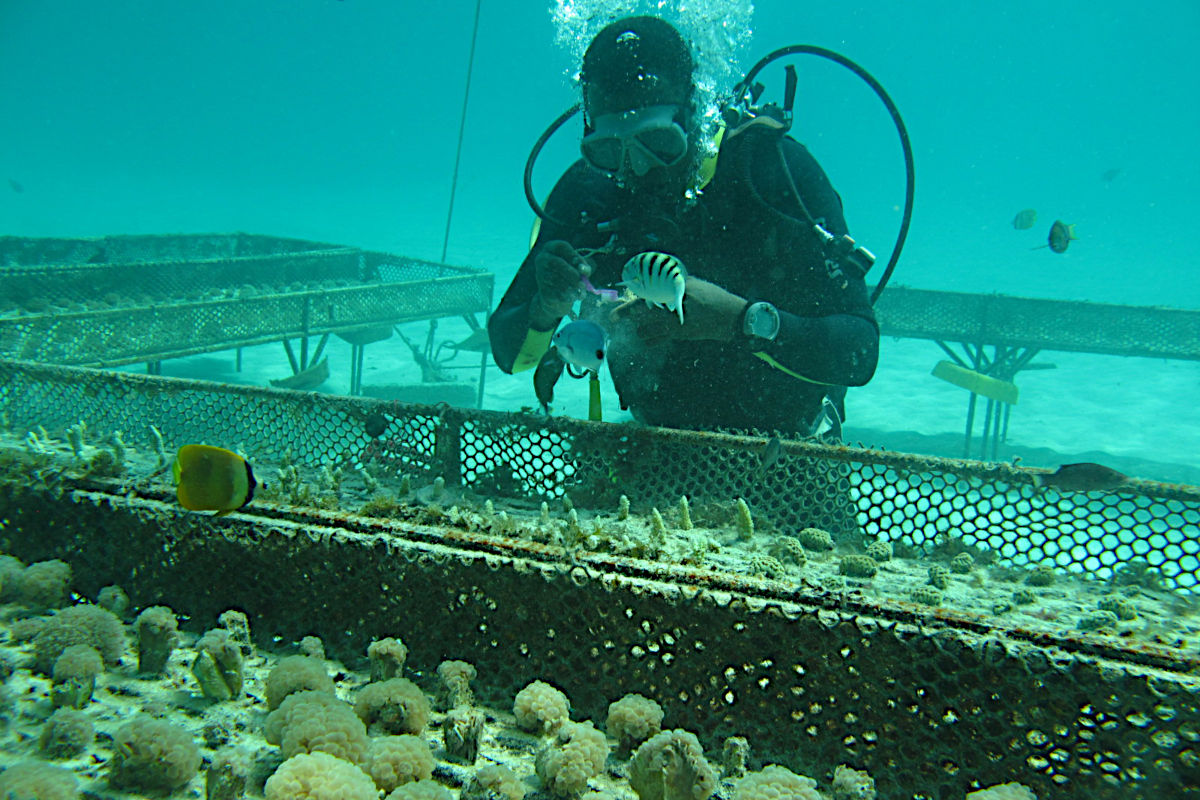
x=646, y=137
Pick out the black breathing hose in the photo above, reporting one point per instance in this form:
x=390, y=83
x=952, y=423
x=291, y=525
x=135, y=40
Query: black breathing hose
x=738, y=96
x=533, y=154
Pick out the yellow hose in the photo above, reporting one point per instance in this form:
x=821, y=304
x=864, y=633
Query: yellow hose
x=594, y=398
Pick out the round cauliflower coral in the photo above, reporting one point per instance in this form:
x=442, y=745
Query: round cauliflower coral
x=396, y=705
x=153, y=755
x=309, y=722
x=45, y=584
x=295, y=674
x=421, y=790
x=541, y=708
x=577, y=753
x=81, y=624
x=775, y=783
x=633, y=719
x=396, y=760
x=319, y=776
x=852, y=784
x=387, y=658
x=456, y=677
x=494, y=782
x=66, y=734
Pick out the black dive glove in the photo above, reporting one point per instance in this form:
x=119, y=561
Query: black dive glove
x=559, y=269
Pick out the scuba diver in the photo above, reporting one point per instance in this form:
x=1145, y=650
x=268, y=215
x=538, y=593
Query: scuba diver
x=775, y=319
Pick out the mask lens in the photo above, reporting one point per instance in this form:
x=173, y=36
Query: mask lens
x=667, y=144
x=604, y=153
x=650, y=136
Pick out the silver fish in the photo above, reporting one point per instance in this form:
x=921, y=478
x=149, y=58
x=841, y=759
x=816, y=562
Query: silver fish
x=657, y=278
x=582, y=344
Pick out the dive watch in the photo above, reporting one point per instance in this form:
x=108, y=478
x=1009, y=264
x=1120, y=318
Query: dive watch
x=760, y=322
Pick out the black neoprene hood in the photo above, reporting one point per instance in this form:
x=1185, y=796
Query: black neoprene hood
x=636, y=62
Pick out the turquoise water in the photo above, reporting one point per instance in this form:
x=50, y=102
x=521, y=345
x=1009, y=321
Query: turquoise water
x=337, y=120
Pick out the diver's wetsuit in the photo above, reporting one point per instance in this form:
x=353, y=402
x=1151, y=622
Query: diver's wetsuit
x=744, y=234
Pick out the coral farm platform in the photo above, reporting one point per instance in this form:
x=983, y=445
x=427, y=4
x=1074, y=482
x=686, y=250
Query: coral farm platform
x=928, y=627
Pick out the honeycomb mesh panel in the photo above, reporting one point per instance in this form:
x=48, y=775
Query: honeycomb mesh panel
x=930, y=707
x=1046, y=324
x=120, y=300
x=38, y=272
x=851, y=492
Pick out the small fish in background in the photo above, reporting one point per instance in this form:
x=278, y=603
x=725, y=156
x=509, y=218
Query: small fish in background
x=1024, y=220
x=772, y=453
x=658, y=278
x=582, y=344
x=212, y=479
x=1061, y=236
x=1110, y=175
x=16, y=187
x=1082, y=477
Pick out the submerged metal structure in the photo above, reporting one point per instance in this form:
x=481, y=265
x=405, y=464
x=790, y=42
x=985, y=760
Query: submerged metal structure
x=999, y=336
x=931, y=701
x=118, y=300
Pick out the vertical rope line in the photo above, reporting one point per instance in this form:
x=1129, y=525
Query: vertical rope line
x=462, y=126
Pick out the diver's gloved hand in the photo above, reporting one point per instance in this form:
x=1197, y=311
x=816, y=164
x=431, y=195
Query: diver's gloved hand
x=709, y=312
x=558, y=267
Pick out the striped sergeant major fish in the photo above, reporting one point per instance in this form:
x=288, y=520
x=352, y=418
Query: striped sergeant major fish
x=657, y=278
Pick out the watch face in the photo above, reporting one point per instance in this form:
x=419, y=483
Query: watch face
x=763, y=321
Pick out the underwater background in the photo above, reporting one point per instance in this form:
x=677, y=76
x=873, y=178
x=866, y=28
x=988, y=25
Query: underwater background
x=962, y=624
x=338, y=120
